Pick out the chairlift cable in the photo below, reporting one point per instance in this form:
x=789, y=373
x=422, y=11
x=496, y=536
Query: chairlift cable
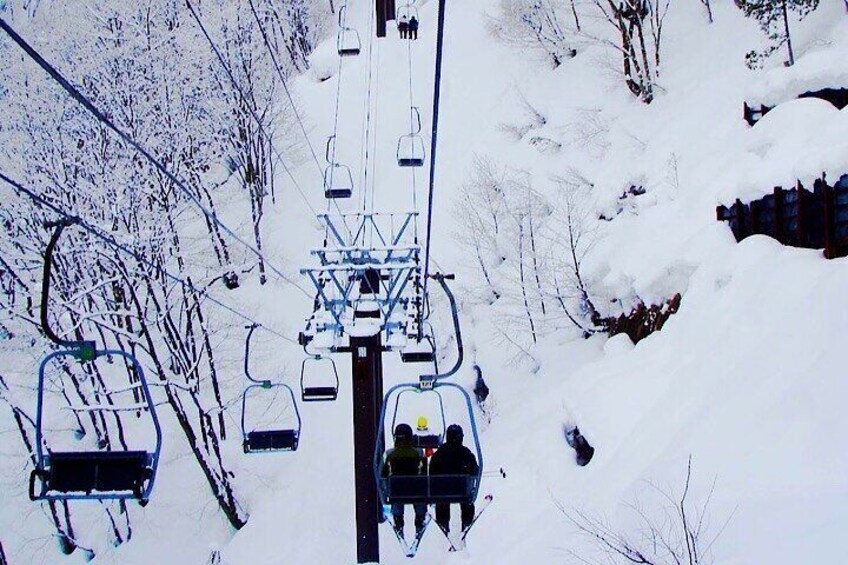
x=115, y=244
x=285, y=84
x=366, y=128
x=157, y=164
x=375, y=160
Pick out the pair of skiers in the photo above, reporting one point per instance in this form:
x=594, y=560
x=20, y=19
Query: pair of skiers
x=408, y=27
x=452, y=458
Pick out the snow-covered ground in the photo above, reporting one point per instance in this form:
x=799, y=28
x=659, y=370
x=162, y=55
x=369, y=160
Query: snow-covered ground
x=745, y=378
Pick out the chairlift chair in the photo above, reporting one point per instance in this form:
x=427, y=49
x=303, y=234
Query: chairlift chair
x=94, y=474
x=430, y=489
x=426, y=489
x=418, y=352
x=410, y=148
x=271, y=438
x=338, y=180
x=407, y=11
x=348, y=43
x=328, y=388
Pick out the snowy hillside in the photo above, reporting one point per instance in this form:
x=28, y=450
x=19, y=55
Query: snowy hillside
x=745, y=381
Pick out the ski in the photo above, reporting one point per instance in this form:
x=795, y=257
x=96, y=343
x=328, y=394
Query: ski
x=486, y=501
x=409, y=549
x=460, y=544
x=404, y=546
x=413, y=547
x=447, y=535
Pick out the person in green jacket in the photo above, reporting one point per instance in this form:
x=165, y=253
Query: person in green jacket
x=405, y=460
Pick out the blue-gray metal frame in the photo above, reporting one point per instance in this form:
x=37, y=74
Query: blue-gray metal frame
x=267, y=385
x=42, y=461
x=382, y=482
x=422, y=391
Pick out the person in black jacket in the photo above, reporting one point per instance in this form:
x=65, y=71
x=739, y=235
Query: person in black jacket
x=453, y=458
x=413, y=28
x=405, y=460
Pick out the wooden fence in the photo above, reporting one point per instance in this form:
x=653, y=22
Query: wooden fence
x=836, y=96
x=816, y=219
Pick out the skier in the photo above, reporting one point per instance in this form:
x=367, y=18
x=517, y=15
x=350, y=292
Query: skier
x=453, y=458
x=403, y=26
x=424, y=439
x=413, y=28
x=405, y=460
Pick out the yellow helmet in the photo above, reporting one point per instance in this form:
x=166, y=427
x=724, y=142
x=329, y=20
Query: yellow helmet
x=422, y=423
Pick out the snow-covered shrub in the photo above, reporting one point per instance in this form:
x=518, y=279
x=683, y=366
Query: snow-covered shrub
x=540, y=26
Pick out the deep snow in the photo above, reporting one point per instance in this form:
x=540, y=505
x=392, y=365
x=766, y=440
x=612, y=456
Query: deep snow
x=746, y=377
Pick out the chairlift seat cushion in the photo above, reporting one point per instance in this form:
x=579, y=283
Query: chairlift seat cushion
x=448, y=489
x=337, y=193
x=410, y=162
x=348, y=51
x=366, y=314
x=417, y=356
x=312, y=393
x=271, y=440
x=108, y=471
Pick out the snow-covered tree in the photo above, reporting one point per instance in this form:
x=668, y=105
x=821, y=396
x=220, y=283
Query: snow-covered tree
x=773, y=18
x=528, y=249
x=148, y=68
x=638, y=26
x=542, y=26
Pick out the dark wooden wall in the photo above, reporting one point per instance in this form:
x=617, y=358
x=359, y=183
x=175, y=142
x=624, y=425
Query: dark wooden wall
x=798, y=217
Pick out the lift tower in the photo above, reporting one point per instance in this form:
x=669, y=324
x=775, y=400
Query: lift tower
x=370, y=294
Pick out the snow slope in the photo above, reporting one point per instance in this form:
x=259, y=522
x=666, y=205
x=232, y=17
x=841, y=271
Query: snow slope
x=745, y=378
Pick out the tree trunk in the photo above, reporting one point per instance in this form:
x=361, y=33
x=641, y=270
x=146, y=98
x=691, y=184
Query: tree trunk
x=523, y=280
x=786, y=32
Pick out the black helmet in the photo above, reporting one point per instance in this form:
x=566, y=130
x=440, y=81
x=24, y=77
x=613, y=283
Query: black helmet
x=403, y=431
x=454, y=433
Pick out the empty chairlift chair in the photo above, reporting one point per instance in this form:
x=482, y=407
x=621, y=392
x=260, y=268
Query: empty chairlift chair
x=319, y=379
x=272, y=438
x=420, y=351
x=95, y=474
x=265, y=437
x=338, y=179
x=107, y=469
x=410, y=148
x=348, y=43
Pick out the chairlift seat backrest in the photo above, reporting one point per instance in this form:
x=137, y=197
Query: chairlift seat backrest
x=97, y=472
x=431, y=441
x=271, y=440
x=319, y=393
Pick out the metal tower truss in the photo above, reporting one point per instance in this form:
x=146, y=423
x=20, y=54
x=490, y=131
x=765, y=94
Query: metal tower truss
x=368, y=276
